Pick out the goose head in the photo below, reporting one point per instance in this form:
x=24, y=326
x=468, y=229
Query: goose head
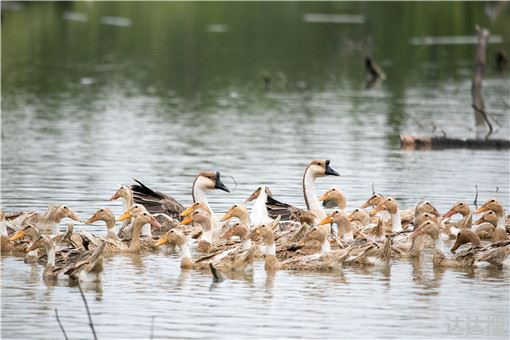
x=466, y=236
x=103, y=214
x=374, y=200
x=426, y=207
x=488, y=216
x=257, y=192
x=321, y=168
x=122, y=192
x=195, y=206
x=199, y=216
x=428, y=227
x=309, y=217
x=493, y=205
x=389, y=204
x=134, y=211
x=173, y=237
x=458, y=208
x=64, y=211
x=237, y=210
x=210, y=180
x=30, y=231
x=359, y=215
x=316, y=234
x=332, y=198
x=338, y=217
x=238, y=229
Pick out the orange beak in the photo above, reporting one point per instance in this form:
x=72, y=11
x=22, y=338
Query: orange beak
x=19, y=234
x=479, y=221
x=115, y=196
x=125, y=216
x=163, y=240
x=482, y=209
x=324, y=196
x=187, y=220
x=326, y=220
x=72, y=215
x=365, y=205
x=227, y=215
x=186, y=212
x=450, y=213
x=92, y=219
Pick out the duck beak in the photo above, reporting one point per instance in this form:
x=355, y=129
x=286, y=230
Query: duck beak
x=155, y=223
x=72, y=215
x=227, y=215
x=19, y=234
x=330, y=171
x=482, y=209
x=219, y=184
x=114, y=196
x=92, y=219
x=365, y=205
x=186, y=212
x=323, y=197
x=449, y=214
x=479, y=221
x=435, y=212
x=252, y=197
x=187, y=220
x=163, y=240
x=327, y=220
x=125, y=216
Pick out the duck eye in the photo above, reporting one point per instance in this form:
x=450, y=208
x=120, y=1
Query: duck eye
x=65, y=207
x=461, y=203
x=101, y=210
x=493, y=201
x=235, y=205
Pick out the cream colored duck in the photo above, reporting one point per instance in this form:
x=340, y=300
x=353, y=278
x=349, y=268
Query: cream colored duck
x=494, y=254
x=241, y=230
x=314, y=170
x=259, y=213
x=341, y=219
x=28, y=233
x=51, y=271
x=463, y=209
x=230, y=260
x=126, y=194
x=48, y=221
x=239, y=211
x=497, y=207
x=333, y=198
x=139, y=220
x=486, y=225
x=202, y=218
x=373, y=202
x=390, y=205
x=107, y=216
x=90, y=269
x=158, y=202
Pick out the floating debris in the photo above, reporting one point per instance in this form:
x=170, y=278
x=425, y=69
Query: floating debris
x=87, y=81
x=76, y=16
x=452, y=40
x=334, y=18
x=116, y=21
x=217, y=28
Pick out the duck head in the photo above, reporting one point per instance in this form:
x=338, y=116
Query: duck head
x=210, y=180
x=489, y=216
x=122, y=192
x=257, y=192
x=389, y=204
x=103, y=214
x=466, y=236
x=426, y=207
x=173, y=236
x=237, y=210
x=332, y=198
x=321, y=168
x=458, y=208
x=374, y=200
x=493, y=205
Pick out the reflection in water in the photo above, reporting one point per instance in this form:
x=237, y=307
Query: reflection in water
x=88, y=105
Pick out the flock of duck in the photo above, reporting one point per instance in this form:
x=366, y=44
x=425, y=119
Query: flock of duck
x=322, y=237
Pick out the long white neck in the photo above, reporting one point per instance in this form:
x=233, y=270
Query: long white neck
x=51, y=256
x=200, y=195
x=269, y=249
x=110, y=234
x=396, y=223
x=437, y=243
x=245, y=244
x=146, y=230
x=127, y=201
x=385, y=215
x=184, y=251
x=310, y=193
x=501, y=221
x=3, y=228
x=207, y=235
x=55, y=228
x=259, y=214
x=325, y=247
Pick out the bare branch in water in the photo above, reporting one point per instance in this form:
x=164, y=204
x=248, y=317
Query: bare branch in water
x=484, y=115
x=373, y=189
x=475, y=202
x=91, y=324
x=60, y=325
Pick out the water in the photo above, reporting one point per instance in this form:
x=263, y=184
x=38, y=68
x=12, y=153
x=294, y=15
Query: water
x=87, y=106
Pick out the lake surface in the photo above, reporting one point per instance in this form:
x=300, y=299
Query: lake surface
x=95, y=94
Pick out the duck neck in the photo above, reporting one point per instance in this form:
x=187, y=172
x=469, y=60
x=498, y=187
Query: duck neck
x=207, y=233
x=147, y=230
x=396, y=223
x=500, y=224
x=310, y=194
x=270, y=247
x=3, y=228
x=55, y=228
x=128, y=200
x=437, y=242
x=245, y=244
x=135, y=240
x=199, y=194
x=184, y=251
x=325, y=247
x=50, y=251
x=110, y=228
x=259, y=214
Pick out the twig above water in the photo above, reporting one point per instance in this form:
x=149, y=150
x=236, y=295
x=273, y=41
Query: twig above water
x=91, y=324
x=60, y=325
x=475, y=202
x=484, y=115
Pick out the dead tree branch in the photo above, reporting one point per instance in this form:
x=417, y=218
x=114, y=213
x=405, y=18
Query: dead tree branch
x=60, y=325
x=91, y=324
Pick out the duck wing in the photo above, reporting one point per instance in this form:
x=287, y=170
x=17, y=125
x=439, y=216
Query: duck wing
x=286, y=211
x=156, y=202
